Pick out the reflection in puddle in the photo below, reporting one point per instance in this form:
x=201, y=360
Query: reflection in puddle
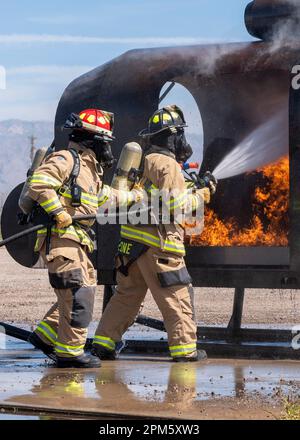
x=139, y=385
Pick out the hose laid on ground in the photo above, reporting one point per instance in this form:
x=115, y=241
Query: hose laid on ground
x=14, y=332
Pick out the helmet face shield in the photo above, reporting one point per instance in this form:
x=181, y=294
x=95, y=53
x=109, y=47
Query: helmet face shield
x=103, y=152
x=183, y=150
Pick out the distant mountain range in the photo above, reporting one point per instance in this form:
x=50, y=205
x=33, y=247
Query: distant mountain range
x=15, y=149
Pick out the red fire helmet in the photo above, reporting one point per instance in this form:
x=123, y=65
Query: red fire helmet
x=98, y=121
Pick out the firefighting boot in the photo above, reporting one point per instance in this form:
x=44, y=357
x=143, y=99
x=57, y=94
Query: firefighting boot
x=108, y=355
x=48, y=350
x=199, y=355
x=83, y=361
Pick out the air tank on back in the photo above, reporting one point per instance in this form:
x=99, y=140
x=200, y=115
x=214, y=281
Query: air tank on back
x=128, y=166
x=264, y=18
x=26, y=203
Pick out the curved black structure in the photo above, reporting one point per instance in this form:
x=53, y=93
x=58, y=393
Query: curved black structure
x=237, y=88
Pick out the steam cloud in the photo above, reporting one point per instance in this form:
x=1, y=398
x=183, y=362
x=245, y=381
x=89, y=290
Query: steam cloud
x=287, y=32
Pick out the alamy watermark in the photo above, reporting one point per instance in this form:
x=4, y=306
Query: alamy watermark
x=2, y=78
x=2, y=338
x=156, y=208
x=296, y=337
x=296, y=78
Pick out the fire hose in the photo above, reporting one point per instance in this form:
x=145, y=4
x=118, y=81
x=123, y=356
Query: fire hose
x=199, y=182
x=76, y=218
x=36, y=228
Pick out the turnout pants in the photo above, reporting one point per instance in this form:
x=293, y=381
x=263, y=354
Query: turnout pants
x=72, y=276
x=169, y=282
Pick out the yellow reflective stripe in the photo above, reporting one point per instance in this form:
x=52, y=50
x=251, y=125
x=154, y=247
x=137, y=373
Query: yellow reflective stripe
x=49, y=202
x=106, y=338
x=47, y=336
x=147, y=234
x=152, y=189
x=144, y=240
x=44, y=324
x=102, y=201
x=86, y=199
x=175, y=347
x=177, y=202
x=195, y=202
x=42, y=232
x=72, y=353
x=174, y=202
x=103, y=340
x=66, y=194
x=73, y=350
x=182, y=353
x=104, y=195
x=178, y=350
x=71, y=230
x=171, y=246
x=51, y=205
x=176, y=249
x=141, y=235
x=41, y=178
x=189, y=185
x=103, y=344
x=71, y=347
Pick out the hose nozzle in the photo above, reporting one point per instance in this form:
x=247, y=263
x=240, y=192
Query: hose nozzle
x=210, y=181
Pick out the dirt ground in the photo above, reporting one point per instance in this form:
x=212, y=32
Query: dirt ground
x=25, y=295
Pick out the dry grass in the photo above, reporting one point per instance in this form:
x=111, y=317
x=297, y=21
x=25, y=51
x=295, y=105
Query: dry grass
x=291, y=409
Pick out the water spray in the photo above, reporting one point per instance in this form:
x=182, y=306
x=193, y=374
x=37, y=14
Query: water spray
x=265, y=145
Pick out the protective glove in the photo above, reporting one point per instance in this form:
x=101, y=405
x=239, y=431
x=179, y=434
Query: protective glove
x=204, y=193
x=212, y=187
x=138, y=193
x=63, y=220
x=211, y=182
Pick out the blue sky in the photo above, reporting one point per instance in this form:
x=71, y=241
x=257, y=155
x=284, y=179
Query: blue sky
x=44, y=45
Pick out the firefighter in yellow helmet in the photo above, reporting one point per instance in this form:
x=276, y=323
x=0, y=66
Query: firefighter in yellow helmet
x=156, y=257
x=69, y=183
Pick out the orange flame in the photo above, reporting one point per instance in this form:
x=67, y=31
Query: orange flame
x=269, y=225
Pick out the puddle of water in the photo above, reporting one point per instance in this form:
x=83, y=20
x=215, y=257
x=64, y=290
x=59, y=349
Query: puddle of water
x=139, y=384
x=18, y=417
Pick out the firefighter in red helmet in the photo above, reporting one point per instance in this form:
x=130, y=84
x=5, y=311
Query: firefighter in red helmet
x=69, y=183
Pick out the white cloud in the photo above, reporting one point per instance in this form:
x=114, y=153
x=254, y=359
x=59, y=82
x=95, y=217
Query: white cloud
x=77, y=39
x=33, y=92
x=48, y=70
